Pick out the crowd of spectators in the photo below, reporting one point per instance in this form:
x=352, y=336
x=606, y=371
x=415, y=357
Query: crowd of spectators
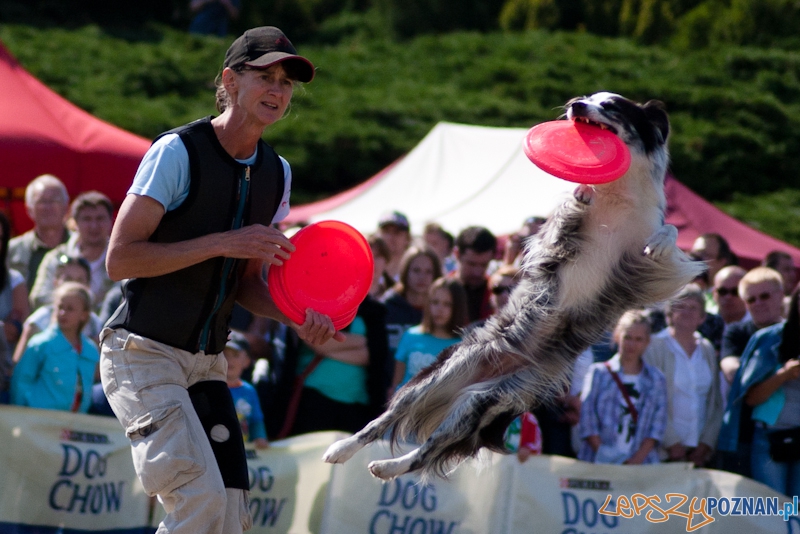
x=709, y=377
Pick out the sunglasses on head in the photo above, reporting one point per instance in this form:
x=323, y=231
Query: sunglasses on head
x=499, y=290
x=723, y=291
x=763, y=296
x=64, y=259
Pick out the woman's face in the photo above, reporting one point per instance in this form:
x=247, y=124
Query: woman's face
x=687, y=315
x=633, y=341
x=420, y=274
x=263, y=93
x=441, y=307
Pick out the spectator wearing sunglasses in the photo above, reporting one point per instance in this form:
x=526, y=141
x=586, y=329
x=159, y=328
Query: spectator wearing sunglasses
x=729, y=305
x=761, y=289
x=501, y=283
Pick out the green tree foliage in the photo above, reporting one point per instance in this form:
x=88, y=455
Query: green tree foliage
x=743, y=22
x=530, y=15
x=688, y=24
x=735, y=113
x=415, y=17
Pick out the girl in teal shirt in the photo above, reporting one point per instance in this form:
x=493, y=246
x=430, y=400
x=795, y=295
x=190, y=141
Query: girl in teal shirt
x=57, y=369
x=444, y=316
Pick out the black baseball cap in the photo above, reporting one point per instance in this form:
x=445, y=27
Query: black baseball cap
x=265, y=46
x=394, y=218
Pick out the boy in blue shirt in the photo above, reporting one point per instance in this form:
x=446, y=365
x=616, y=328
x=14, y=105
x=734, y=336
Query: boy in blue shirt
x=245, y=398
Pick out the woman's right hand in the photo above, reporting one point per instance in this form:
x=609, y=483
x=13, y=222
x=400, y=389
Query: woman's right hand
x=260, y=242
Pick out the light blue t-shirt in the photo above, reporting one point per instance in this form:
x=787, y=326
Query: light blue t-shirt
x=418, y=350
x=163, y=175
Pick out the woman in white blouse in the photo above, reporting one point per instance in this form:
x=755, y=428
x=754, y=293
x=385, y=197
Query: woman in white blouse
x=689, y=363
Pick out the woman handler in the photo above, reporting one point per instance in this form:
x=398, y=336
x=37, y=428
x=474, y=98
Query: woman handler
x=193, y=237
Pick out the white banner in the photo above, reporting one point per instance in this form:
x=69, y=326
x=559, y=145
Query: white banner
x=71, y=472
x=288, y=483
x=551, y=494
x=59, y=469
x=562, y=495
x=470, y=501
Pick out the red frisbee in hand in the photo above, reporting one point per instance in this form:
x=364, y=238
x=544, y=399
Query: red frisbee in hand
x=329, y=272
x=577, y=152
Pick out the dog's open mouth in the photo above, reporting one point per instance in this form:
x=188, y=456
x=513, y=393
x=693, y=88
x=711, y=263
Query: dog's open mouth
x=600, y=125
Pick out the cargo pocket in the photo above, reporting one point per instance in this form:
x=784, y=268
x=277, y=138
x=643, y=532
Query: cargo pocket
x=165, y=451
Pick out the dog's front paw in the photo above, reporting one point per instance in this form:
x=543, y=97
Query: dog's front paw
x=662, y=243
x=584, y=194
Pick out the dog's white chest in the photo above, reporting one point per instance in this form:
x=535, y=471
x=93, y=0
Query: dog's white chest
x=609, y=237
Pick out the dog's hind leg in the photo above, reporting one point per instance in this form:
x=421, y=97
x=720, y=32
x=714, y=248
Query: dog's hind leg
x=455, y=439
x=344, y=449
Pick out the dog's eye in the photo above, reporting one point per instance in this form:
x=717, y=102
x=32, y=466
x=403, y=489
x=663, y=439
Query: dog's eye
x=609, y=106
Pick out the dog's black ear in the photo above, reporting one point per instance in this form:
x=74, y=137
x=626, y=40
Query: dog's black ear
x=656, y=113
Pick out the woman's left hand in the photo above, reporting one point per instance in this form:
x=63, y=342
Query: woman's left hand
x=317, y=329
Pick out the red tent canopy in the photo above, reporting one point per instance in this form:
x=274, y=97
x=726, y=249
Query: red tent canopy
x=694, y=216
x=41, y=132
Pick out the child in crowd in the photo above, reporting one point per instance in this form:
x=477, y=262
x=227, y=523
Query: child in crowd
x=70, y=269
x=57, y=369
x=444, y=316
x=245, y=397
x=624, y=411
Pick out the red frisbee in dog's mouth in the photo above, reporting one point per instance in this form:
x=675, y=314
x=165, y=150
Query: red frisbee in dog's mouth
x=577, y=152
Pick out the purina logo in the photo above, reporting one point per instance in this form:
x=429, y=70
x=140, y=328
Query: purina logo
x=282, y=42
x=83, y=437
x=585, y=483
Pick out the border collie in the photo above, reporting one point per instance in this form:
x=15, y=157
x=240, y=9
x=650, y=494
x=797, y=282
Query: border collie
x=602, y=252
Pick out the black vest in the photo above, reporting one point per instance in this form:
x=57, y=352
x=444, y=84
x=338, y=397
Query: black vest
x=190, y=309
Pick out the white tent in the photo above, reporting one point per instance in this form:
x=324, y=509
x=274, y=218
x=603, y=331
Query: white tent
x=458, y=175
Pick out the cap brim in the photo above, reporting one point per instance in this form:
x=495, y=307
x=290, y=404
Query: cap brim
x=305, y=67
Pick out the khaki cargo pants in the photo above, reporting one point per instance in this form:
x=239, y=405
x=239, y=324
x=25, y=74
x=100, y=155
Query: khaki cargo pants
x=146, y=384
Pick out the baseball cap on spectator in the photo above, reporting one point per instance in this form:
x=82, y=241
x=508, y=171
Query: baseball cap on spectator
x=237, y=341
x=394, y=218
x=265, y=46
